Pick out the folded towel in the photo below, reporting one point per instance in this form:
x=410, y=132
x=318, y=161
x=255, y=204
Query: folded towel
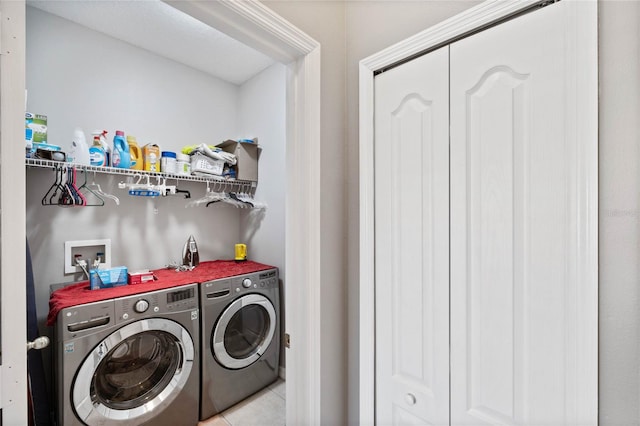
x=215, y=153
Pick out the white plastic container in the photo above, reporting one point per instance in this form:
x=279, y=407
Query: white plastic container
x=79, y=152
x=168, y=163
x=183, y=162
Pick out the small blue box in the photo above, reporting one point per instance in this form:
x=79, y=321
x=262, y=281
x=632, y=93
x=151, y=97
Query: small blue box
x=107, y=278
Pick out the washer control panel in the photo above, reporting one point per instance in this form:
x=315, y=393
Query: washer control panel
x=147, y=305
x=141, y=306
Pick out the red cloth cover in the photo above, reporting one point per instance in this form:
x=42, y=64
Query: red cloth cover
x=80, y=293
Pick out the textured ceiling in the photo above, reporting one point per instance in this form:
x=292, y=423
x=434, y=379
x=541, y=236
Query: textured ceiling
x=159, y=28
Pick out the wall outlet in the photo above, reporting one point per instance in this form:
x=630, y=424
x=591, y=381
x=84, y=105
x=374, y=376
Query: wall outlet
x=88, y=250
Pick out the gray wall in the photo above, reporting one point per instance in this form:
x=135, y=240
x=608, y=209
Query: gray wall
x=325, y=22
x=619, y=251
x=369, y=26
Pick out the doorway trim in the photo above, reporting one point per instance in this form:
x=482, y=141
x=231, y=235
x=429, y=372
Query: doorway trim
x=259, y=27
x=468, y=22
x=13, y=366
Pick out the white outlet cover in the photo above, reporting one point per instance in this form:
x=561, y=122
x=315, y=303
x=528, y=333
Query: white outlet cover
x=70, y=268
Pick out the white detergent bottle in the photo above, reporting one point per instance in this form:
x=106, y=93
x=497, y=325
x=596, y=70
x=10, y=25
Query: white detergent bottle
x=79, y=152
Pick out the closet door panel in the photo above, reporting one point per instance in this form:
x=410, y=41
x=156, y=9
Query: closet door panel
x=412, y=242
x=514, y=285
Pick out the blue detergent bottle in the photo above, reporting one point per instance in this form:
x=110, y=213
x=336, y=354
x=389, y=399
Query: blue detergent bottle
x=120, y=156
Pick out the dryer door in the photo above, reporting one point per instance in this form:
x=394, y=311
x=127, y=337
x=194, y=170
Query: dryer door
x=134, y=373
x=244, y=331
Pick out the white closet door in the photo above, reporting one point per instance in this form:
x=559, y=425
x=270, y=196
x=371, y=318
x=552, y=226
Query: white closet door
x=522, y=347
x=412, y=242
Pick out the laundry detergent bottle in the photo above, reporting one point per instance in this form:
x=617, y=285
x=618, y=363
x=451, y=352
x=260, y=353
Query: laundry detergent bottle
x=79, y=152
x=96, y=153
x=136, y=153
x=120, y=156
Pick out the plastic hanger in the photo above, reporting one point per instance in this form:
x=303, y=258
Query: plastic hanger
x=76, y=196
x=97, y=190
x=209, y=197
x=88, y=190
x=47, y=200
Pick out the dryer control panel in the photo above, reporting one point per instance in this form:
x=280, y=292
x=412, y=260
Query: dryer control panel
x=268, y=279
x=258, y=280
x=241, y=284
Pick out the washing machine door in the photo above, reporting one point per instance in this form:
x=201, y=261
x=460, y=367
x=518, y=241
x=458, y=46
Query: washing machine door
x=244, y=331
x=134, y=373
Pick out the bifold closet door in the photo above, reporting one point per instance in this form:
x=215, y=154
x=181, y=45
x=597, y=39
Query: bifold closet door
x=523, y=340
x=412, y=242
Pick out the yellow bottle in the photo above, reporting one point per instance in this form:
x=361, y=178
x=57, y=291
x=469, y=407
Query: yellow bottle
x=241, y=252
x=136, y=153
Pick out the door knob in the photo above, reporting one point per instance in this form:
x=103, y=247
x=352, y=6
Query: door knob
x=39, y=343
x=410, y=399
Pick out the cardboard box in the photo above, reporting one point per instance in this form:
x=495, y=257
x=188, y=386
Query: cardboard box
x=247, y=155
x=151, y=155
x=140, y=277
x=107, y=278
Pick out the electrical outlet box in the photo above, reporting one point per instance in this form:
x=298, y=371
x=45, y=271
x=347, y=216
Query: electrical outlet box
x=88, y=250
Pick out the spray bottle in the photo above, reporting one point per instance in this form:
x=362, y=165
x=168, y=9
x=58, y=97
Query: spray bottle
x=102, y=135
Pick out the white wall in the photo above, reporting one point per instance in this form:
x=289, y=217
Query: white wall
x=262, y=114
x=79, y=77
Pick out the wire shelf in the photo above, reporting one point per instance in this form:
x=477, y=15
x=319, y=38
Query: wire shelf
x=230, y=184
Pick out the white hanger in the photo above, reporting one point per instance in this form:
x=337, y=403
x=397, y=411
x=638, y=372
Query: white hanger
x=96, y=188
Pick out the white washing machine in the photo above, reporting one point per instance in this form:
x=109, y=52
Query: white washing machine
x=132, y=360
x=240, y=325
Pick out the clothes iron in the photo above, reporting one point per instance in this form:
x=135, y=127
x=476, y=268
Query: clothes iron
x=190, y=256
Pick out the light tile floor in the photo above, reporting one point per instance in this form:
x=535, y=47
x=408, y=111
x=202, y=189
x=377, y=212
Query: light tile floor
x=265, y=408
